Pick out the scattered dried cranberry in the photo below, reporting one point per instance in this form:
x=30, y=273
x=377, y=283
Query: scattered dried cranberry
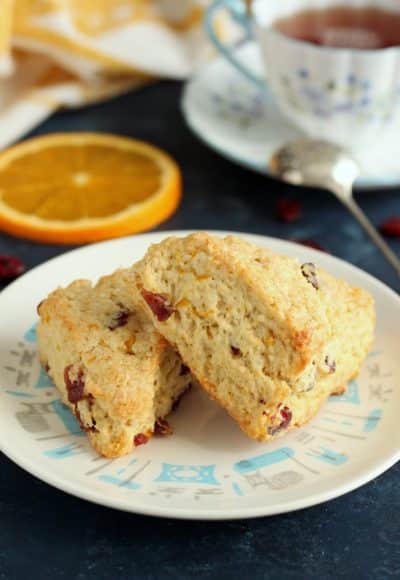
x=10, y=267
x=286, y=415
x=184, y=370
x=120, y=319
x=74, y=387
x=140, y=439
x=309, y=272
x=391, y=227
x=158, y=305
x=310, y=244
x=288, y=210
x=236, y=351
x=331, y=364
x=162, y=427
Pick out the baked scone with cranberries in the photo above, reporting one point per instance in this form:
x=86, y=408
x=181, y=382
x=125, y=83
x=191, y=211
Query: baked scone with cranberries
x=351, y=311
x=265, y=335
x=115, y=372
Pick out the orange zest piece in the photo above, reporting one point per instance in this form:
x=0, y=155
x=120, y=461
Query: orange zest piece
x=72, y=188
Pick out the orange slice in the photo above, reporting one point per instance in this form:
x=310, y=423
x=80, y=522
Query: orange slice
x=84, y=187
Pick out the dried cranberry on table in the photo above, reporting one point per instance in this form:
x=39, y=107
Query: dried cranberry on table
x=391, y=227
x=310, y=244
x=10, y=267
x=288, y=210
x=158, y=304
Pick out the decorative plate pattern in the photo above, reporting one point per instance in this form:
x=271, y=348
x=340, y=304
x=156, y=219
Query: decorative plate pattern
x=245, y=125
x=208, y=469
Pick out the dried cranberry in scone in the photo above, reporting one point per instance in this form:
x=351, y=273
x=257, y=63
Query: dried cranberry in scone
x=120, y=319
x=236, y=351
x=286, y=416
x=162, y=427
x=158, y=304
x=140, y=439
x=75, y=387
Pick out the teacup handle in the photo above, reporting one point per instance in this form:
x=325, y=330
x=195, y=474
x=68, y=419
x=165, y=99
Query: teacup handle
x=238, y=12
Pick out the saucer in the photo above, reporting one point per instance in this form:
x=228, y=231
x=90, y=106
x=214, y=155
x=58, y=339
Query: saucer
x=208, y=469
x=245, y=125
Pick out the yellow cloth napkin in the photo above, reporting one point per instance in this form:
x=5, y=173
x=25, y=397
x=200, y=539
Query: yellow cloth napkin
x=56, y=53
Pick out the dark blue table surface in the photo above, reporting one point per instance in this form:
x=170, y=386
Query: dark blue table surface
x=46, y=534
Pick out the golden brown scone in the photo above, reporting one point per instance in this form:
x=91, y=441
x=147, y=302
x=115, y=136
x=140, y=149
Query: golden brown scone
x=118, y=376
x=269, y=338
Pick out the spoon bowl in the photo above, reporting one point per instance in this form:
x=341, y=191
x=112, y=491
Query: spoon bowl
x=322, y=164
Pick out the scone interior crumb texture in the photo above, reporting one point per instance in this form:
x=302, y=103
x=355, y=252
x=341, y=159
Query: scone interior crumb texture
x=268, y=337
x=115, y=372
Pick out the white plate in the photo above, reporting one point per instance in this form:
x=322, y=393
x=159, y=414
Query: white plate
x=208, y=469
x=244, y=124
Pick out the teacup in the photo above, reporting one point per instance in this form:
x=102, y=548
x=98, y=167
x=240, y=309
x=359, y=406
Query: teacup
x=349, y=96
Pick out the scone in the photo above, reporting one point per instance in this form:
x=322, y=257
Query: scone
x=266, y=336
x=352, y=314
x=116, y=373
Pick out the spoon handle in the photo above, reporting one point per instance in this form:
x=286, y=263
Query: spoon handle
x=374, y=234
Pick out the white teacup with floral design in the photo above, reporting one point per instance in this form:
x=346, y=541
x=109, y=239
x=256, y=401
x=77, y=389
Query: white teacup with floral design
x=350, y=96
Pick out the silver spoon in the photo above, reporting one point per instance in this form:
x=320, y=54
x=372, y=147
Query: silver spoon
x=322, y=164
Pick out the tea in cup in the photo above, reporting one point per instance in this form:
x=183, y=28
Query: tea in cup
x=333, y=67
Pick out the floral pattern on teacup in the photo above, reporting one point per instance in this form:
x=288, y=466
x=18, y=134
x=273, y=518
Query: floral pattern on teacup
x=239, y=103
x=352, y=96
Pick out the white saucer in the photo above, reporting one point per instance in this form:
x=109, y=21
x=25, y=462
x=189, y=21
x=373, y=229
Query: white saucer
x=208, y=469
x=244, y=124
